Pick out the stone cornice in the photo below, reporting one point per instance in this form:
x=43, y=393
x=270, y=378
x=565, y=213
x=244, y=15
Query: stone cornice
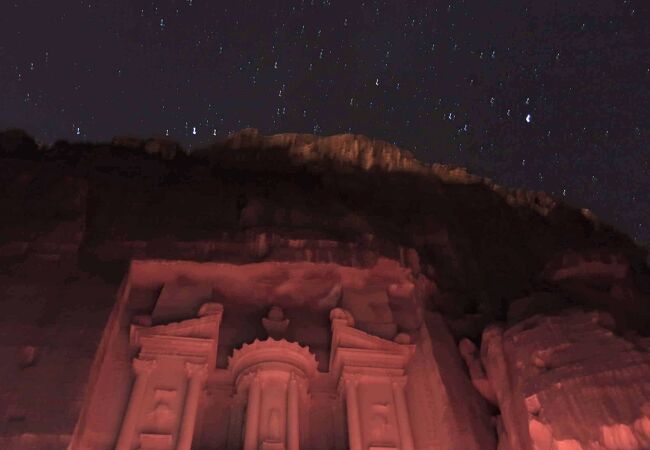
x=206, y=327
x=271, y=352
x=359, y=352
x=155, y=346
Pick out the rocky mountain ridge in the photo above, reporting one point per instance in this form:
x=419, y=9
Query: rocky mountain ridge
x=346, y=198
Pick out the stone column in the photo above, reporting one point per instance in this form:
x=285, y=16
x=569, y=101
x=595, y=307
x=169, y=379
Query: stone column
x=403, y=422
x=253, y=413
x=196, y=374
x=236, y=420
x=338, y=422
x=142, y=369
x=293, y=415
x=354, y=420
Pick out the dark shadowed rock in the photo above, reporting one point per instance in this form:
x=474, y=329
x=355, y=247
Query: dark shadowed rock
x=17, y=143
x=165, y=148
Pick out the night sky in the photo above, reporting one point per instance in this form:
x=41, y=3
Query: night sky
x=548, y=95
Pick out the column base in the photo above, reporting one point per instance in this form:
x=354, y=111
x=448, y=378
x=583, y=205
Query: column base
x=272, y=446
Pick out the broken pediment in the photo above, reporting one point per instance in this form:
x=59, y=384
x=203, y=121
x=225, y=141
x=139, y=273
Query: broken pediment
x=356, y=348
x=205, y=327
x=371, y=310
x=275, y=353
x=180, y=300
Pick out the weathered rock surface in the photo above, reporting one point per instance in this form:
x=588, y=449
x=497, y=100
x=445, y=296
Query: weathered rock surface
x=477, y=253
x=569, y=382
x=457, y=417
x=346, y=152
x=293, y=197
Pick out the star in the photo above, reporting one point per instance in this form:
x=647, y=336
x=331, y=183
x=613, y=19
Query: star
x=447, y=82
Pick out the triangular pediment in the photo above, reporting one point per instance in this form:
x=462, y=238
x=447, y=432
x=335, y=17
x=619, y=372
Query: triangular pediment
x=202, y=328
x=357, y=349
x=353, y=338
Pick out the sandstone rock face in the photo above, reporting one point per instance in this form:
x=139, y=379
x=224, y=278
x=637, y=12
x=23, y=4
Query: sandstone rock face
x=128, y=142
x=48, y=340
x=346, y=250
x=165, y=148
x=347, y=151
x=341, y=198
x=569, y=382
x=343, y=151
x=455, y=416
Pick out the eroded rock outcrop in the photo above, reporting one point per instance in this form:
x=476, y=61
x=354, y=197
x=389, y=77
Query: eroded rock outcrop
x=347, y=151
x=569, y=381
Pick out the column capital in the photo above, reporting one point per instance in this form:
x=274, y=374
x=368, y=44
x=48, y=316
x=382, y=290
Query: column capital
x=198, y=370
x=347, y=381
x=398, y=382
x=254, y=376
x=143, y=366
x=350, y=378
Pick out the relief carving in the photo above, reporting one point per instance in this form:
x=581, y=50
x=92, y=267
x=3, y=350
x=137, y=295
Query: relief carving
x=162, y=416
x=379, y=423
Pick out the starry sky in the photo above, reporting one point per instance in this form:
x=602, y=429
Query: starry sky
x=549, y=95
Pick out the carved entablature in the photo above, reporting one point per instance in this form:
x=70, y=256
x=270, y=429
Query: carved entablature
x=189, y=349
x=270, y=353
x=355, y=351
x=192, y=339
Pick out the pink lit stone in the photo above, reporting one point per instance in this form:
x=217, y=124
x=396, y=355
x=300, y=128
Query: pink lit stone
x=303, y=292
x=269, y=391
x=569, y=382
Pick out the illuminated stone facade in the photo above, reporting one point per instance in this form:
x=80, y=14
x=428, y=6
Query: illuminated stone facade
x=185, y=365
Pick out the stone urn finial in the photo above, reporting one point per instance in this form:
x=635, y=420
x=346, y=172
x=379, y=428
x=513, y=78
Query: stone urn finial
x=274, y=323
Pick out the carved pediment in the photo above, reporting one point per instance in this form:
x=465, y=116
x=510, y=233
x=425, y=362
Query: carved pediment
x=189, y=338
x=206, y=327
x=357, y=350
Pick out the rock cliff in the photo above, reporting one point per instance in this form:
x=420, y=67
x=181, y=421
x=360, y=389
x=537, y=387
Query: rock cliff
x=569, y=382
x=555, y=376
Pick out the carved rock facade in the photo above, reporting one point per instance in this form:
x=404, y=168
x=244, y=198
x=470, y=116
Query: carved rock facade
x=180, y=370
x=325, y=287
